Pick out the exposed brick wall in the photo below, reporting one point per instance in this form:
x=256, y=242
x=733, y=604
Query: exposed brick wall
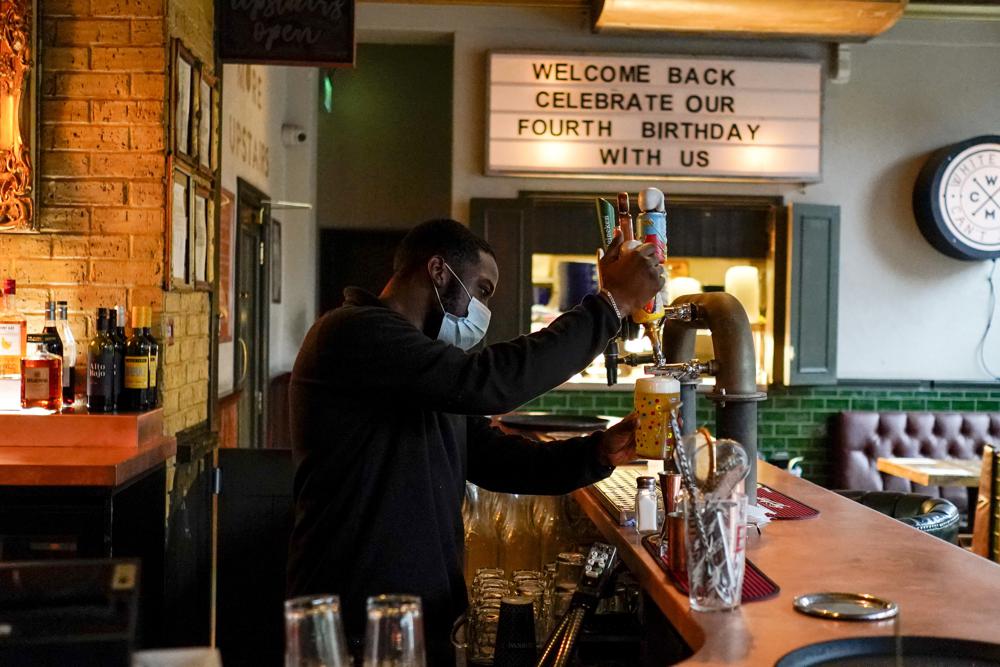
x=101, y=163
x=102, y=179
x=194, y=22
x=185, y=377
x=186, y=362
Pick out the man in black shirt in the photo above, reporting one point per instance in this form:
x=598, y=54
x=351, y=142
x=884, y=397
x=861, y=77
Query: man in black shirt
x=387, y=420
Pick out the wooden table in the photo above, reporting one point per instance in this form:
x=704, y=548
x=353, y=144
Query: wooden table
x=941, y=589
x=934, y=472
x=939, y=472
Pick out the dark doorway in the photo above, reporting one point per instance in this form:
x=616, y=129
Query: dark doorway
x=359, y=258
x=251, y=334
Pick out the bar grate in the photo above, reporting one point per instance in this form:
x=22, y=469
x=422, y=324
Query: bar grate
x=617, y=493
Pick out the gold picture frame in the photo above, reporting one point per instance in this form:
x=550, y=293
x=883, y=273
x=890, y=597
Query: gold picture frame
x=18, y=114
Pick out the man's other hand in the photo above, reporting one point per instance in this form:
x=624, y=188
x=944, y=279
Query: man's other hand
x=632, y=276
x=617, y=445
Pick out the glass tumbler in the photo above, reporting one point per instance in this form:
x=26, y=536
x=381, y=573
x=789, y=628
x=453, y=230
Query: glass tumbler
x=314, y=633
x=395, y=634
x=716, y=552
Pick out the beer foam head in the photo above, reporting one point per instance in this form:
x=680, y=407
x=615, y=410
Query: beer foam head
x=659, y=384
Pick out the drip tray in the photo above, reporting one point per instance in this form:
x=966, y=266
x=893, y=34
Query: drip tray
x=878, y=651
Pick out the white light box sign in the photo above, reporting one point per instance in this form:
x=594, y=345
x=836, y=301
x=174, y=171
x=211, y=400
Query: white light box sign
x=600, y=115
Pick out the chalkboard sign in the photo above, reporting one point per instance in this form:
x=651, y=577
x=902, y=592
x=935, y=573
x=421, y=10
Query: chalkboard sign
x=287, y=32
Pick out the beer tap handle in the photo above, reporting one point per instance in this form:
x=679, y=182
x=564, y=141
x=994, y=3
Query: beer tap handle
x=611, y=362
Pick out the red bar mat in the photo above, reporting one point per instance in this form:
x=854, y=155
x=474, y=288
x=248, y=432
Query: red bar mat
x=780, y=507
x=756, y=585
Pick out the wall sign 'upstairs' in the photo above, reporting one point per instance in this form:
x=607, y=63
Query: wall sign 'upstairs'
x=287, y=32
x=606, y=115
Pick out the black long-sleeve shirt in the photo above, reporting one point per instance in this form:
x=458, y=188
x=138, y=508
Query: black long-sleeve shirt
x=386, y=428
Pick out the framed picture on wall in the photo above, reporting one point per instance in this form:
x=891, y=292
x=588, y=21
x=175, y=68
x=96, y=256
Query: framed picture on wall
x=199, y=224
x=184, y=88
x=206, y=123
x=180, y=221
x=275, y=261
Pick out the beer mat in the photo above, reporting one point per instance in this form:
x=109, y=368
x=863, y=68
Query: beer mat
x=780, y=507
x=757, y=586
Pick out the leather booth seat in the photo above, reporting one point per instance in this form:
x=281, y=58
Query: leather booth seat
x=934, y=516
x=861, y=438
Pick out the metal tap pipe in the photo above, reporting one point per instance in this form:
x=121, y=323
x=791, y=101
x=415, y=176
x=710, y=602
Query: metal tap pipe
x=736, y=377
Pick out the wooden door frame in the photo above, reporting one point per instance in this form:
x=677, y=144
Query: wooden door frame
x=254, y=197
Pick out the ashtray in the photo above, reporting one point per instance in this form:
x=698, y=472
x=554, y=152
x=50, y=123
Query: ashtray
x=846, y=606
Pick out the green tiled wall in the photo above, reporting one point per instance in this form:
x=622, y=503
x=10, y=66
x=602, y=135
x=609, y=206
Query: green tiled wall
x=795, y=419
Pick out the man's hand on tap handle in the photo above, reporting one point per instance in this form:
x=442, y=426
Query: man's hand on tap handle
x=632, y=276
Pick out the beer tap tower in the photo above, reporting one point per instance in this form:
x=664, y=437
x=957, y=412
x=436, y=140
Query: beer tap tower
x=735, y=394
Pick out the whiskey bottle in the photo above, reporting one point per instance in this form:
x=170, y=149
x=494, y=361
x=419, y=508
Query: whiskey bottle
x=69, y=353
x=13, y=343
x=50, y=335
x=155, y=367
x=135, y=389
x=116, y=332
x=41, y=375
x=100, y=367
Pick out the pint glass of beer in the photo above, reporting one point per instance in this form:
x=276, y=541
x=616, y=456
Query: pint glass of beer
x=655, y=397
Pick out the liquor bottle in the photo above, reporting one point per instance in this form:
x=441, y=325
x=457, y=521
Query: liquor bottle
x=135, y=389
x=101, y=367
x=69, y=353
x=116, y=332
x=50, y=334
x=155, y=367
x=41, y=373
x=13, y=343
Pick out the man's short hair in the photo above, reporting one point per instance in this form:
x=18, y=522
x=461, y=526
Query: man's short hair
x=450, y=239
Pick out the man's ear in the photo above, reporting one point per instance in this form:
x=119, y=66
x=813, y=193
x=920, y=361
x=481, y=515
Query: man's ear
x=437, y=271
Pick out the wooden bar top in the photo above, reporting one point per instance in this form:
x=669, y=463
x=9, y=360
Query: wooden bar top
x=81, y=466
x=80, y=429
x=941, y=589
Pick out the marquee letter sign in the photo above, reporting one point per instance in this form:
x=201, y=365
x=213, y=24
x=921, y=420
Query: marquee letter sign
x=606, y=115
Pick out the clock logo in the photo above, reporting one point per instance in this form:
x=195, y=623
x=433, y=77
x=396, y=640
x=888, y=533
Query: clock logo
x=957, y=199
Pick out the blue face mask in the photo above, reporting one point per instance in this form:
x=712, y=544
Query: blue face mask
x=463, y=332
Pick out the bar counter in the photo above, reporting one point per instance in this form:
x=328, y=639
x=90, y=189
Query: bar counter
x=81, y=449
x=941, y=589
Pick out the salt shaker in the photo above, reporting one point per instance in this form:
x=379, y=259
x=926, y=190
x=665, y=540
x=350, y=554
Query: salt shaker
x=645, y=505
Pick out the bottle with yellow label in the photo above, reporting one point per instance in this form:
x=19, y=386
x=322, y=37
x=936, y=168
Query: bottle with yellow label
x=155, y=363
x=135, y=387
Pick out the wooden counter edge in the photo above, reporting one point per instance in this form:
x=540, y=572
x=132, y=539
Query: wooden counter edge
x=957, y=594
x=84, y=466
x=654, y=581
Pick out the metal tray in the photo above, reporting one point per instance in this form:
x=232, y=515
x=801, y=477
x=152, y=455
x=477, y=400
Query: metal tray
x=846, y=606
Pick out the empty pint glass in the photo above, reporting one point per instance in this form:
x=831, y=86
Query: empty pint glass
x=395, y=634
x=314, y=636
x=655, y=397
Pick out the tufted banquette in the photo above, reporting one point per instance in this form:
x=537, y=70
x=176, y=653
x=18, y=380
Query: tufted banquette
x=860, y=438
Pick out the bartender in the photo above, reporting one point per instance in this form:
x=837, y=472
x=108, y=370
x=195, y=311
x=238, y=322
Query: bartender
x=387, y=402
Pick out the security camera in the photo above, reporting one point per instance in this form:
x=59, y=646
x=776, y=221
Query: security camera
x=293, y=135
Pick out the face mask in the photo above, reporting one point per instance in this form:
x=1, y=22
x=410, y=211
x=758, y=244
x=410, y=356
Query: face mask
x=463, y=332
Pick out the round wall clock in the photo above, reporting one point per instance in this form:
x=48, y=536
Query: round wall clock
x=957, y=199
